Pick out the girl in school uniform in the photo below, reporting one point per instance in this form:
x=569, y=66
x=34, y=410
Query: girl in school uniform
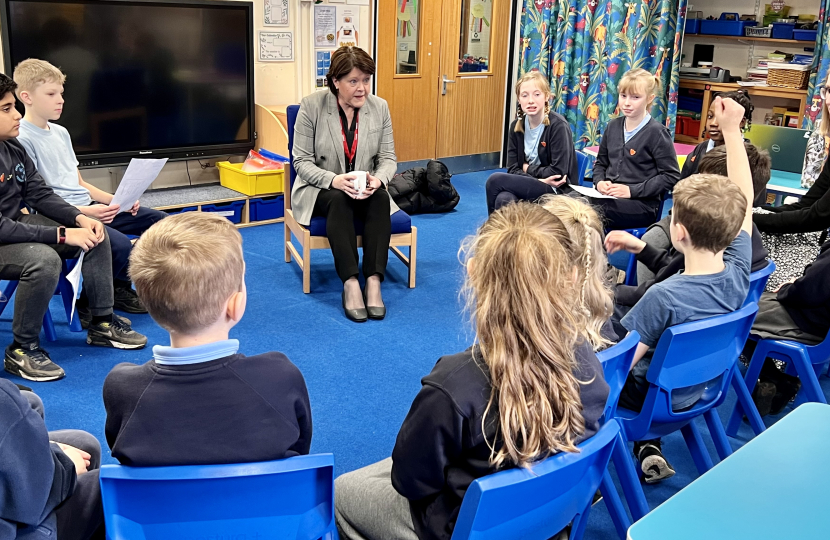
x=540, y=149
x=531, y=386
x=636, y=163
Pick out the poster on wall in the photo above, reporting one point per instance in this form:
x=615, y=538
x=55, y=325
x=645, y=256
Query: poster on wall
x=348, y=23
x=276, y=12
x=323, y=64
x=276, y=47
x=325, y=26
x=358, y=2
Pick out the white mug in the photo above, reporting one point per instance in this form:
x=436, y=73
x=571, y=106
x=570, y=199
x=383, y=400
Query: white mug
x=359, y=182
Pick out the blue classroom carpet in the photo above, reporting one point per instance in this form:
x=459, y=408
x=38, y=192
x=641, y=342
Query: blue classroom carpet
x=362, y=378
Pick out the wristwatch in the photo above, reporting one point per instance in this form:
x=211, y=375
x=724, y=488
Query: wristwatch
x=61, y=235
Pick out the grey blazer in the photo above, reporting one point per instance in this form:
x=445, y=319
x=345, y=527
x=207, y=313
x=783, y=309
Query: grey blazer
x=318, y=148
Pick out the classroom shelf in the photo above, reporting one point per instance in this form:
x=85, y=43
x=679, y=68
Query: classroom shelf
x=792, y=42
x=685, y=139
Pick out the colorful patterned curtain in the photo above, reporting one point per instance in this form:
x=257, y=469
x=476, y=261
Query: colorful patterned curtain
x=585, y=47
x=821, y=65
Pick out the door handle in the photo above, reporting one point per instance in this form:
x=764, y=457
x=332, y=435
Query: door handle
x=445, y=81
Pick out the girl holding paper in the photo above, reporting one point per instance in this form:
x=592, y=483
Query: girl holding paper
x=540, y=149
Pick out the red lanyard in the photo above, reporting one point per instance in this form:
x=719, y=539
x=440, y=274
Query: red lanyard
x=350, y=152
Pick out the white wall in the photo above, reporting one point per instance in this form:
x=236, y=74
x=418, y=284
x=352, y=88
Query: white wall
x=275, y=83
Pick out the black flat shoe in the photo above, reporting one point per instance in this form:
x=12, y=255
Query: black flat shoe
x=374, y=312
x=356, y=315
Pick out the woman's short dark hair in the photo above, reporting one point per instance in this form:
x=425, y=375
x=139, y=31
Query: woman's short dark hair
x=344, y=60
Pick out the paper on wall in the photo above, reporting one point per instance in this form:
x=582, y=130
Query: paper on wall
x=590, y=192
x=325, y=26
x=137, y=178
x=276, y=12
x=74, y=279
x=276, y=47
x=358, y=2
x=348, y=25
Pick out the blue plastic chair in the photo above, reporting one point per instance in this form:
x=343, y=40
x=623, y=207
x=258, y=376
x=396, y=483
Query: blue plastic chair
x=540, y=501
x=758, y=282
x=314, y=236
x=686, y=355
x=582, y=166
x=631, y=266
x=64, y=289
x=289, y=499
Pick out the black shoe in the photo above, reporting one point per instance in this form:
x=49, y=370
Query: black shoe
x=115, y=334
x=654, y=465
x=127, y=300
x=355, y=315
x=763, y=395
x=785, y=392
x=374, y=312
x=32, y=363
x=85, y=316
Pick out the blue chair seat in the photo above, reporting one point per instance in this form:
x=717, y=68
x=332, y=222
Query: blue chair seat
x=401, y=224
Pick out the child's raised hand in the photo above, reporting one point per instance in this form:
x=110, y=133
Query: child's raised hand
x=728, y=114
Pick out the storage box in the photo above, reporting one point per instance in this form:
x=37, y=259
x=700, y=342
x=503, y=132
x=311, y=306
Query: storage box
x=266, y=208
x=728, y=25
x=231, y=210
x=782, y=30
x=182, y=210
x=690, y=103
x=692, y=26
x=758, y=32
x=788, y=76
x=232, y=177
x=805, y=35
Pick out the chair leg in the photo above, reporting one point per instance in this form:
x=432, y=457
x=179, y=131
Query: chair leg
x=718, y=435
x=287, y=240
x=700, y=455
x=49, y=327
x=744, y=404
x=750, y=379
x=614, y=505
x=809, y=382
x=306, y=262
x=629, y=479
x=413, y=257
x=579, y=524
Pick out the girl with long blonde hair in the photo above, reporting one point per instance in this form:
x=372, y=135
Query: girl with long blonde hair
x=540, y=149
x=531, y=386
x=596, y=296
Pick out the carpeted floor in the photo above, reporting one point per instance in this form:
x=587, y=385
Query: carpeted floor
x=361, y=377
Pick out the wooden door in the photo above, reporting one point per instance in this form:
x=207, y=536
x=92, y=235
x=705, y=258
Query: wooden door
x=409, y=30
x=474, y=36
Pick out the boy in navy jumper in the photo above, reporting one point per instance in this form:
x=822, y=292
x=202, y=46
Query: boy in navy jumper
x=711, y=224
x=40, y=88
x=31, y=249
x=199, y=401
x=636, y=163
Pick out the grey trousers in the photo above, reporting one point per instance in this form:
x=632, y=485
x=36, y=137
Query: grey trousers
x=81, y=516
x=655, y=237
x=773, y=322
x=37, y=267
x=367, y=507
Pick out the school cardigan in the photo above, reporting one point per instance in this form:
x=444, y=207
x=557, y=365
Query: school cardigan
x=666, y=263
x=693, y=160
x=807, y=300
x=810, y=214
x=441, y=447
x=647, y=163
x=235, y=409
x=556, y=151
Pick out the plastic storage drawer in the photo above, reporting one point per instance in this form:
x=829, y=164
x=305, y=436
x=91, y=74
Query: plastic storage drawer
x=231, y=210
x=232, y=177
x=267, y=208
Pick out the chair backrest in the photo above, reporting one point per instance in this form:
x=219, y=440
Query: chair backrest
x=291, y=116
x=691, y=354
x=758, y=282
x=582, y=166
x=540, y=501
x=291, y=498
x=616, y=363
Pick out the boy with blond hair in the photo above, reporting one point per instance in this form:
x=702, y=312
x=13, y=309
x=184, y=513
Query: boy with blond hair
x=40, y=88
x=31, y=248
x=711, y=226
x=199, y=401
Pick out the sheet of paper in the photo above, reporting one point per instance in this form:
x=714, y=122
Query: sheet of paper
x=276, y=12
x=137, y=178
x=325, y=27
x=74, y=279
x=590, y=192
x=276, y=46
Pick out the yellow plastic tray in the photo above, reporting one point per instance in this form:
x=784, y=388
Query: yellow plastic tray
x=250, y=183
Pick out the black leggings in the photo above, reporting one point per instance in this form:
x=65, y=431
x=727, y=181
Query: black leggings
x=505, y=188
x=340, y=212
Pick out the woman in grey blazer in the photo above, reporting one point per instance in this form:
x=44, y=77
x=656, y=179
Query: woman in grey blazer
x=337, y=133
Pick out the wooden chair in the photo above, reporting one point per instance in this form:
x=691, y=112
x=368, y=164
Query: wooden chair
x=314, y=236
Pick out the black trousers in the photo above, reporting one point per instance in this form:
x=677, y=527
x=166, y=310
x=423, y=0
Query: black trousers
x=340, y=212
x=626, y=213
x=505, y=188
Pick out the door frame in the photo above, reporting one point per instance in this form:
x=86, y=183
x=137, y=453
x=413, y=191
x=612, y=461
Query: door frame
x=514, y=61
